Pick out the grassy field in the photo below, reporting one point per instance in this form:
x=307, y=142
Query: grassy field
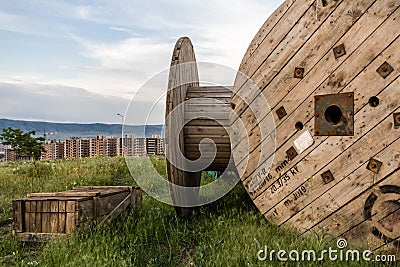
x=228, y=232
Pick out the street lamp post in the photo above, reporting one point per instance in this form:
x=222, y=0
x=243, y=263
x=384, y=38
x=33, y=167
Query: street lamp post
x=122, y=132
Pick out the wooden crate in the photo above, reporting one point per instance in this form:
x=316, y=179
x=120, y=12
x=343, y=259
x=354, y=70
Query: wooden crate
x=43, y=215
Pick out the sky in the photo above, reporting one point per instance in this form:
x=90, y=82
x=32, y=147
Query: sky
x=83, y=61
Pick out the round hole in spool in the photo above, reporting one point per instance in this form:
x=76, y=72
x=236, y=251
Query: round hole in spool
x=299, y=126
x=373, y=101
x=333, y=114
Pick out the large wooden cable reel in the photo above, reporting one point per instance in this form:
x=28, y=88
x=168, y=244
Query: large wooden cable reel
x=330, y=73
x=194, y=113
x=330, y=162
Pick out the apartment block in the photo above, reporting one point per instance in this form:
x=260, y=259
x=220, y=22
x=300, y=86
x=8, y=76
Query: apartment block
x=9, y=155
x=71, y=150
x=53, y=150
x=83, y=148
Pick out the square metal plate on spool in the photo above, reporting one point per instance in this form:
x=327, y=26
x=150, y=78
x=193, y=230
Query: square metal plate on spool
x=281, y=112
x=291, y=153
x=385, y=69
x=374, y=165
x=327, y=177
x=299, y=73
x=334, y=115
x=339, y=51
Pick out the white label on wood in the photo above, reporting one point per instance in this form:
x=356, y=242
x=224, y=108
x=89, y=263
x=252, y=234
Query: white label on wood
x=304, y=141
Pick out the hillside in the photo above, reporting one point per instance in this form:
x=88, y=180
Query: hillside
x=68, y=130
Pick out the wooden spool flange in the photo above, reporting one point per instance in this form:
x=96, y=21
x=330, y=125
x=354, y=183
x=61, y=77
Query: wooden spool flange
x=330, y=73
x=193, y=113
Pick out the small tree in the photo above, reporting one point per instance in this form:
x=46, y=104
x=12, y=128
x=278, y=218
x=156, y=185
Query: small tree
x=21, y=142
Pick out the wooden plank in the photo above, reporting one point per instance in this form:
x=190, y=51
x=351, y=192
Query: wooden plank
x=70, y=222
x=61, y=217
x=137, y=198
x=206, y=115
x=64, y=194
x=209, y=123
x=210, y=89
x=38, y=216
x=123, y=188
x=195, y=147
x=18, y=213
x=196, y=154
x=209, y=101
x=208, y=108
x=213, y=95
x=197, y=139
x=28, y=224
x=54, y=217
x=200, y=130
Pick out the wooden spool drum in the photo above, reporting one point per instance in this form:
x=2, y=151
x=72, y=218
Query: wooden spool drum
x=330, y=73
x=193, y=114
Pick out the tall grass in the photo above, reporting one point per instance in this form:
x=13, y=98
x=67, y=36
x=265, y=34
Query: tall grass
x=228, y=232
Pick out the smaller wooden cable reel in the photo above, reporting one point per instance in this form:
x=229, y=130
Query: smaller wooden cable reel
x=196, y=119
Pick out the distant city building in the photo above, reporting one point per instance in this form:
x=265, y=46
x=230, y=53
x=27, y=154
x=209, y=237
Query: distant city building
x=102, y=145
x=70, y=150
x=11, y=155
x=83, y=148
x=53, y=150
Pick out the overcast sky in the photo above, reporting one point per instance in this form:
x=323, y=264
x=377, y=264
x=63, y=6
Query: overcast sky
x=82, y=61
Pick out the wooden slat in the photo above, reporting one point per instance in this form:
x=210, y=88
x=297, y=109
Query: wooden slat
x=213, y=95
x=195, y=147
x=18, y=213
x=64, y=194
x=195, y=139
x=61, y=216
x=211, y=89
x=200, y=130
x=208, y=108
x=118, y=188
x=205, y=115
x=208, y=123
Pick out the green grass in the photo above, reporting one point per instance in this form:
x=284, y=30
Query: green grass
x=228, y=232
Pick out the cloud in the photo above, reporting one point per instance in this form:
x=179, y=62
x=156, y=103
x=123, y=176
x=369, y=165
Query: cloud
x=58, y=103
x=115, y=46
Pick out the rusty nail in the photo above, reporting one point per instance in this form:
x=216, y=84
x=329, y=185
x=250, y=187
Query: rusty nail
x=327, y=177
x=396, y=119
x=374, y=165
